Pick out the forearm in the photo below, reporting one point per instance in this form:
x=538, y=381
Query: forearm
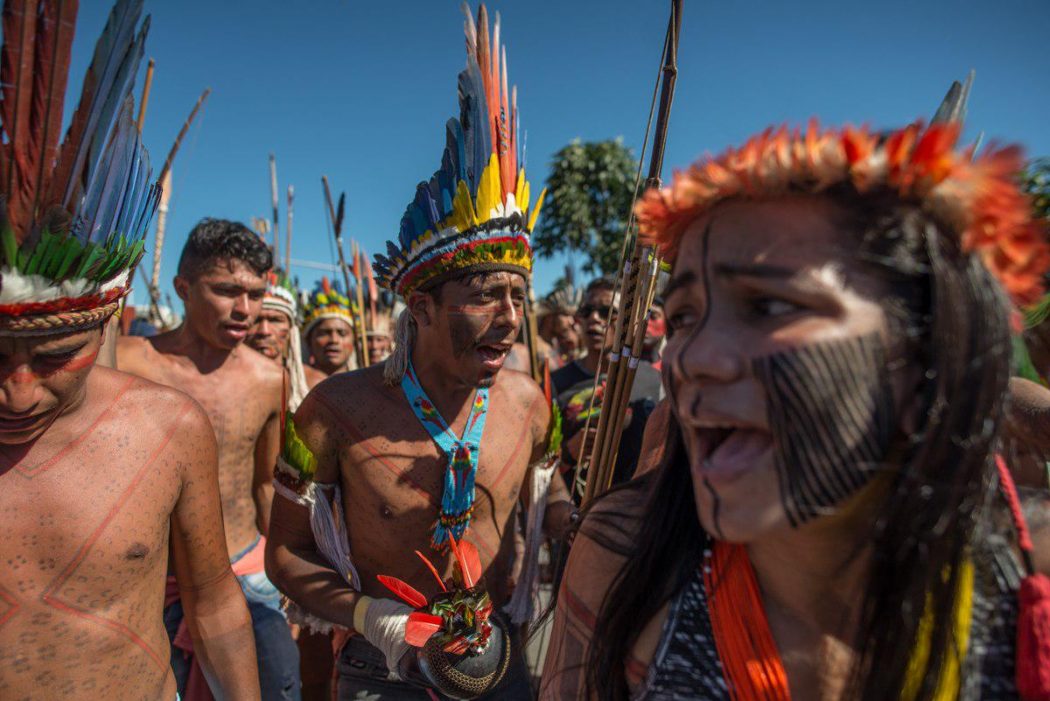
x=307, y=578
x=223, y=640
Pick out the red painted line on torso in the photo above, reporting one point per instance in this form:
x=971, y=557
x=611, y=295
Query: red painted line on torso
x=517, y=447
x=49, y=596
x=30, y=472
x=8, y=597
x=578, y=608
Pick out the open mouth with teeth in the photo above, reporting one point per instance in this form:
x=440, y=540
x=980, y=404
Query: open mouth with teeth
x=492, y=355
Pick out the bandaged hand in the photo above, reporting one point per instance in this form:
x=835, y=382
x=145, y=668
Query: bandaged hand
x=382, y=623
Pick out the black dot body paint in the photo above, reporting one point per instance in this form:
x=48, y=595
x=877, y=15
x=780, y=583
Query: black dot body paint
x=831, y=412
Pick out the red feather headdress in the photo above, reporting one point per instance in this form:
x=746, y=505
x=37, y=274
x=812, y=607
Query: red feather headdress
x=978, y=199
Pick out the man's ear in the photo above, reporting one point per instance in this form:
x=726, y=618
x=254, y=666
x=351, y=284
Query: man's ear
x=421, y=306
x=182, y=287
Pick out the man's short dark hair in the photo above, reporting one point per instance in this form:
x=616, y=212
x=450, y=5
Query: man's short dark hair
x=605, y=282
x=221, y=239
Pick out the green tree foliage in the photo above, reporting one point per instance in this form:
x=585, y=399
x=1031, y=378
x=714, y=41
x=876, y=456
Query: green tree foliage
x=589, y=196
x=1036, y=181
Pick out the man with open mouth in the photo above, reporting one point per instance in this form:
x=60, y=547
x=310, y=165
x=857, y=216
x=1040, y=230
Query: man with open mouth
x=101, y=472
x=438, y=442
x=328, y=329
x=222, y=281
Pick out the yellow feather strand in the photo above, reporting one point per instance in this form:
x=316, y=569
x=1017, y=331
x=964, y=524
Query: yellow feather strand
x=519, y=191
x=536, y=210
x=949, y=683
x=463, y=216
x=489, y=193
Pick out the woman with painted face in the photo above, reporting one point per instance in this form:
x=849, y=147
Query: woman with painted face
x=829, y=519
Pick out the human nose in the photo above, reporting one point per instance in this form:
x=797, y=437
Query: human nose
x=21, y=389
x=705, y=355
x=242, y=305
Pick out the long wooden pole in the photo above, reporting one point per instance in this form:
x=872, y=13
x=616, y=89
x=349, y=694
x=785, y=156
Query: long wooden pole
x=158, y=247
x=288, y=234
x=275, y=203
x=639, y=279
x=146, y=86
x=337, y=232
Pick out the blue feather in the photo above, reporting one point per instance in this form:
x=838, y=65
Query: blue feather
x=459, y=144
x=391, y=250
x=407, y=234
x=113, y=65
x=419, y=221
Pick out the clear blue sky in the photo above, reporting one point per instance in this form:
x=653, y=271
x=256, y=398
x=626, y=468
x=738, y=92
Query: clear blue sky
x=360, y=91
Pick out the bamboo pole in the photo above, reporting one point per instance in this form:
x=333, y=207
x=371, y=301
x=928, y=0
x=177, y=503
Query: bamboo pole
x=359, y=318
x=637, y=293
x=288, y=234
x=275, y=204
x=337, y=232
x=158, y=247
x=147, y=84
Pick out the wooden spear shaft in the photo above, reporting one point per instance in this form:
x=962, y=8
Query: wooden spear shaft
x=288, y=234
x=158, y=246
x=617, y=385
x=337, y=232
x=362, y=339
x=145, y=96
x=275, y=203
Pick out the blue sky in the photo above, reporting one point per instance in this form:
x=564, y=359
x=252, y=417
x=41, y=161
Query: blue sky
x=360, y=91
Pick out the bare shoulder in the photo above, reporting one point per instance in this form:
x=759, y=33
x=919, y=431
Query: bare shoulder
x=314, y=377
x=347, y=395
x=263, y=368
x=134, y=352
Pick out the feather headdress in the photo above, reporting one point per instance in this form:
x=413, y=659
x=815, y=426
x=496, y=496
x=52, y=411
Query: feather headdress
x=326, y=302
x=474, y=213
x=281, y=295
x=978, y=199
x=72, y=215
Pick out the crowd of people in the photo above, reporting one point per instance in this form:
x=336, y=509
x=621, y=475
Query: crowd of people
x=829, y=484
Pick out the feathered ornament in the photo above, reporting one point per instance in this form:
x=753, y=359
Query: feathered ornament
x=474, y=213
x=72, y=216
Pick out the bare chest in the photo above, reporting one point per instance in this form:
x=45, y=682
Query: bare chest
x=394, y=476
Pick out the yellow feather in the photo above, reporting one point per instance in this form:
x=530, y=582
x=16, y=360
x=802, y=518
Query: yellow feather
x=463, y=215
x=523, y=205
x=489, y=192
x=535, y=214
x=519, y=192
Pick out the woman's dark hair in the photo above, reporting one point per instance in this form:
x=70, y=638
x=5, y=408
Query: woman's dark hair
x=953, y=316
x=221, y=239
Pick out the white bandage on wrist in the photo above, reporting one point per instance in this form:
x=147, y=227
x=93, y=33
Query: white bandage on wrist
x=382, y=623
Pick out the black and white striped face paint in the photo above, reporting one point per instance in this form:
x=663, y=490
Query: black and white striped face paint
x=831, y=413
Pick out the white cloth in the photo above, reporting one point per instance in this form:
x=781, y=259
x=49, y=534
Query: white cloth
x=382, y=622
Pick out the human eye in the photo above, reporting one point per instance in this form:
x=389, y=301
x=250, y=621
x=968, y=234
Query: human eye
x=770, y=307
x=59, y=356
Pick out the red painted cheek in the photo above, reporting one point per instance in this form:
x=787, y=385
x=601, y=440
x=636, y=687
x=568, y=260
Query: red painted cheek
x=72, y=365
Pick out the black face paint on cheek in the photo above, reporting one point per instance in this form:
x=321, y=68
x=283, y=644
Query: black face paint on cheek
x=831, y=412
x=464, y=332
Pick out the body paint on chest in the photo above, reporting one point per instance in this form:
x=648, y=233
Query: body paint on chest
x=831, y=412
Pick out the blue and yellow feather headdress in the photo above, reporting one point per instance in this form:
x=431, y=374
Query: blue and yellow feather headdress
x=327, y=301
x=473, y=214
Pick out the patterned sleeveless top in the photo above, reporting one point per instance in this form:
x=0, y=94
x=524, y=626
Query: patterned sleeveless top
x=686, y=665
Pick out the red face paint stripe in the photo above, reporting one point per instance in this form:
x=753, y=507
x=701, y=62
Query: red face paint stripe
x=75, y=364
x=49, y=596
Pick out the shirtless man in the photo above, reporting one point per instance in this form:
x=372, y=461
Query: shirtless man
x=100, y=472
x=394, y=483
x=328, y=328
x=221, y=282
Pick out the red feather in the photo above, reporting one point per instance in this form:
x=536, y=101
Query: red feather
x=16, y=76
x=433, y=570
x=421, y=627
x=406, y=592
x=55, y=29
x=469, y=561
